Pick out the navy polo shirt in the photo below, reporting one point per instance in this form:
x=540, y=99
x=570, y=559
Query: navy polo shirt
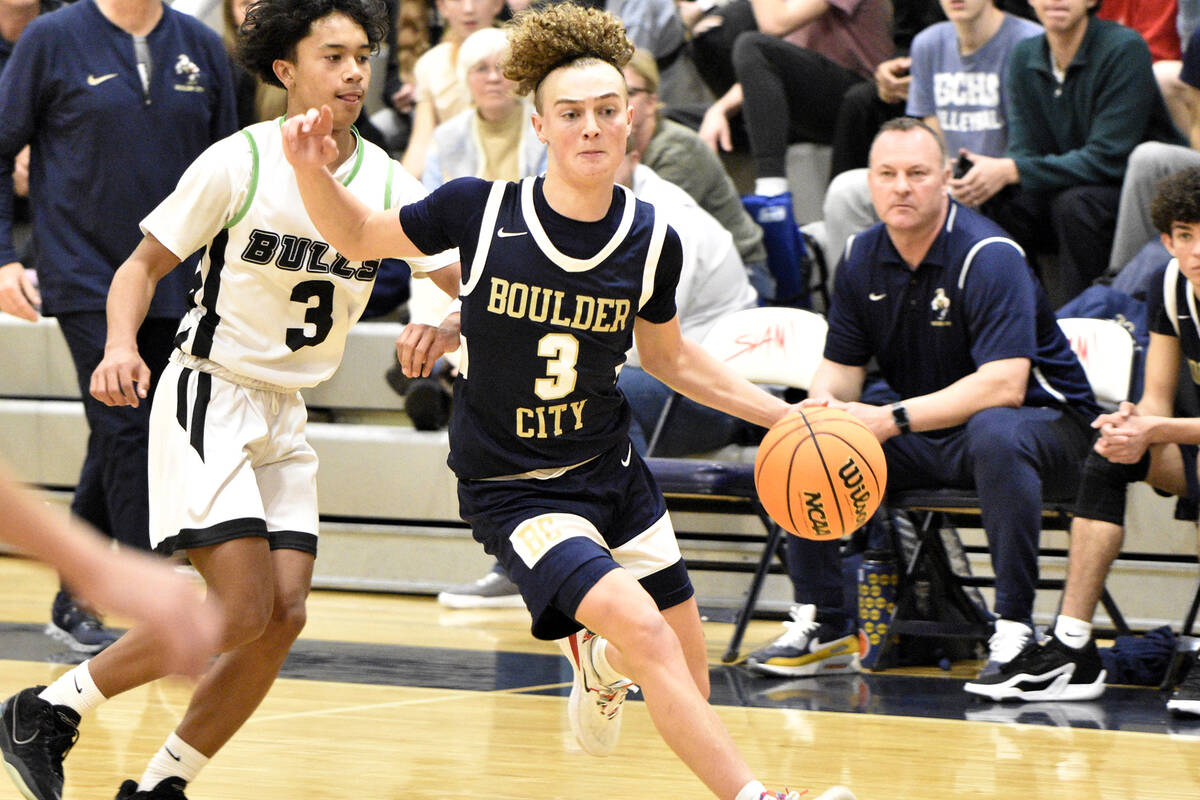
x=973, y=299
x=104, y=151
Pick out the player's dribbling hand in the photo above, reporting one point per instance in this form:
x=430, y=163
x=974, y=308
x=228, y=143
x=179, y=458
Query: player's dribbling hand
x=308, y=139
x=121, y=378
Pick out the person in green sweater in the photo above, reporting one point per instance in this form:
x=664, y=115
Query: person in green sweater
x=1082, y=96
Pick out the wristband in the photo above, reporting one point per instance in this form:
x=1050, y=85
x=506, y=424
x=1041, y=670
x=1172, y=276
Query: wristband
x=900, y=417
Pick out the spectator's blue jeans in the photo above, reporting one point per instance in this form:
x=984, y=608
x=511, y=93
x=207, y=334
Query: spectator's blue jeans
x=692, y=428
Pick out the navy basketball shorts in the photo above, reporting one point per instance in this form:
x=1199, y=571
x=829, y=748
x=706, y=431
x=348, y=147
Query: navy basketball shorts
x=1101, y=494
x=229, y=461
x=555, y=538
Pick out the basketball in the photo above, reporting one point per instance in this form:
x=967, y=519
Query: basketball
x=820, y=473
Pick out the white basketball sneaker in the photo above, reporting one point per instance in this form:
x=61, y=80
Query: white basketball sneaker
x=594, y=708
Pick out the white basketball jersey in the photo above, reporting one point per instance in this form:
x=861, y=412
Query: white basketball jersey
x=271, y=300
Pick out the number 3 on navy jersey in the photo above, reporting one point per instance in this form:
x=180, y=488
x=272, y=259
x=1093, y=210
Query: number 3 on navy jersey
x=562, y=350
x=319, y=316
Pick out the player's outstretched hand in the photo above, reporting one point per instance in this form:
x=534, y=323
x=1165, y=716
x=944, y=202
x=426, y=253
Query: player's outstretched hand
x=419, y=346
x=308, y=139
x=121, y=378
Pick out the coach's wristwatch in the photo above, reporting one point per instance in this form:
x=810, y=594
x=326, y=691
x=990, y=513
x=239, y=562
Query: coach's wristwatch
x=900, y=416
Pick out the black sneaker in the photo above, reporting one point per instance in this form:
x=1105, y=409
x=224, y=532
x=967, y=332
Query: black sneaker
x=1186, y=697
x=35, y=738
x=76, y=628
x=167, y=789
x=1045, y=671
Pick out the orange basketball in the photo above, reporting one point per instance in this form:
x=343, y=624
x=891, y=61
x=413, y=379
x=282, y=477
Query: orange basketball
x=820, y=473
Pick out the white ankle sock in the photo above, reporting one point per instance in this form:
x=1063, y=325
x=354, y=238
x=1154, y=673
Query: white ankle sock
x=75, y=689
x=604, y=670
x=1072, y=632
x=769, y=187
x=751, y=791
x=175, y=759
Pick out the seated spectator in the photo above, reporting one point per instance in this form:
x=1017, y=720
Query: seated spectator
x=792, y=74
x=1082, y=97
x=958, y=86
x=679, y=156
x=712, y=283
x=439, y=94
x=987, y=393
x=1142, y=442
x=493, y=139
x=1153, y=161
x=412, y=29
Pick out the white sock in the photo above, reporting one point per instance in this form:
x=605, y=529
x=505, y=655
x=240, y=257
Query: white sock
x=751, y=791
x=769, y=187
x=1072, y=632
x=176, y=759
x=604, y=670
x=75, y=689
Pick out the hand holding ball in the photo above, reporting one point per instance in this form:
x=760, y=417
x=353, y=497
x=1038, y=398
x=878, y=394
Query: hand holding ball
x=820, y=473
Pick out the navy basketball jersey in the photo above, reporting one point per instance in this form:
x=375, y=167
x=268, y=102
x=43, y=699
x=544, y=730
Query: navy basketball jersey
x=1173, y=312
x=548, y=306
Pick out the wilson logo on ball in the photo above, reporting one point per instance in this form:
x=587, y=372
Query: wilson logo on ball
x=820, y=473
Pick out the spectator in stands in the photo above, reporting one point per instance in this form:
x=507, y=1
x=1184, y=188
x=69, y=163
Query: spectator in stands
x=1150, y=162
x=680, y=157
x=1142, y=442
x=412, y=29
x=493, y=138
x=986, y=391
x=1081, y=98
x=958, y=86
x=439, y=94
x=792, y=73
x=173, y=95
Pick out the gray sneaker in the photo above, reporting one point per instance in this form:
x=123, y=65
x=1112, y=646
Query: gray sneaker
x=493, y=590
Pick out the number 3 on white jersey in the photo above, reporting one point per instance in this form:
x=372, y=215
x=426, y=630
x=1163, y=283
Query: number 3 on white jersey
x=562, y=350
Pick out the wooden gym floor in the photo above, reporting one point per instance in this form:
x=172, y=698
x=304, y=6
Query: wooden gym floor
x=395, y=698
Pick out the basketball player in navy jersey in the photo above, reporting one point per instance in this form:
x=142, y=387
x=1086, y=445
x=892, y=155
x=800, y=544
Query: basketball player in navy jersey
x=561, y=274
x=232, y=476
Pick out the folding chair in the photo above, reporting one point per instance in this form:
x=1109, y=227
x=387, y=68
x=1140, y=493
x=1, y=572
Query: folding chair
x=772, y=345
x=1107, y=351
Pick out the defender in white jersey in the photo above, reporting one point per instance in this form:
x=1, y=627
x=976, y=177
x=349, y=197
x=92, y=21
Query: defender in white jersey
x=232, y=478
x=562, y=275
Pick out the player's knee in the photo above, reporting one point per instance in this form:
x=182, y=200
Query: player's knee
x=646, y=638
x=244, y=622
x=288, y=618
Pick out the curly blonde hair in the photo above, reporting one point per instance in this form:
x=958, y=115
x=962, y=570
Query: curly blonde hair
x=543, y=39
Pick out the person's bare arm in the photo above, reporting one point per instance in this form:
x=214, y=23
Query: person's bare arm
x=127, y=583
x=122, y=377
x=350, y=227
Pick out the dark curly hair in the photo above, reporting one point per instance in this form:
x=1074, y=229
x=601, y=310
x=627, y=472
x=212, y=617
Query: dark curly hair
x=274, y=27
x=542, y=39
x=1176, y=199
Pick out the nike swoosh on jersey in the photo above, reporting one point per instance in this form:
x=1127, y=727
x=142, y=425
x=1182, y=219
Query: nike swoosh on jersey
x=628, y=455
x=505, y=234
x=880, y=296
x=96, y=81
